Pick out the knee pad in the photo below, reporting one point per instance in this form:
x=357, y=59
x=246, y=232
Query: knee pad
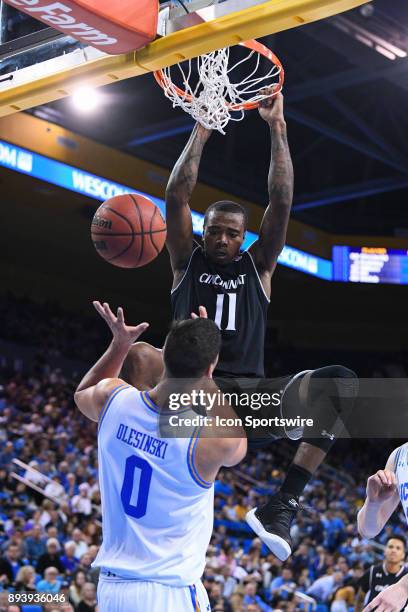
x=331, y=395
x=336, y=382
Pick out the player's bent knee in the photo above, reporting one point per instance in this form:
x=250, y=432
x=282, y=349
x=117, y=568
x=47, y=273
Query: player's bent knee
x=334, y=371
x=345, y=381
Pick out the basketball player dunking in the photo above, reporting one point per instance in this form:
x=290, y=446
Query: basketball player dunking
x=157, y=493
x=234, y=287
x=385, y=490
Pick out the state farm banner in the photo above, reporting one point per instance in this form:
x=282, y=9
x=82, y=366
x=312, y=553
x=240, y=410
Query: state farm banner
x=113, y=26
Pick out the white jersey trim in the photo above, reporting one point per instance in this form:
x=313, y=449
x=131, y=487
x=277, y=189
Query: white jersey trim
x=108, y=402
x=185, y=273
x=258, y=277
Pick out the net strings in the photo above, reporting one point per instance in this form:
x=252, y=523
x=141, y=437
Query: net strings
x=210, y=100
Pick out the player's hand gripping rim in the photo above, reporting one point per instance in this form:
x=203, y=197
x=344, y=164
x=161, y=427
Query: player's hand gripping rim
x=381, y=486
x=123, y=335
x=271, y=108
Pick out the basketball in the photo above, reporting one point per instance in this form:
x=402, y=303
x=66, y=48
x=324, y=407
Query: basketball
x=128, y=231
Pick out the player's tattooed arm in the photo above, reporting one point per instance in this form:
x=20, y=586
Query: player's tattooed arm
x=382, y=499
x=272, y=233
x=99, y=382
x=179, y=189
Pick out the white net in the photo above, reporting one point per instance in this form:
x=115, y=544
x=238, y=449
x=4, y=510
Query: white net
x=205, y=88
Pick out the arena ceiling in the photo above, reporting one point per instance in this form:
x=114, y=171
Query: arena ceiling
x=346, y=96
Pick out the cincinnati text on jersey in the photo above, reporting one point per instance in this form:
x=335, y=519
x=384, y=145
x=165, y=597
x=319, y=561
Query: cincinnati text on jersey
x=215, y=279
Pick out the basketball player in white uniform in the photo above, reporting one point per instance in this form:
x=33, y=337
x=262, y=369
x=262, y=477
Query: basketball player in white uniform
x=157, y=494
x=385, y=490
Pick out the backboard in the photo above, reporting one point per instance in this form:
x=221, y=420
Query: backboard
x=39, y=64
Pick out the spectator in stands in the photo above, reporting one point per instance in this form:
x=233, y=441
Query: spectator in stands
x=218, y=602
x=227, y=581
x=303, y=581
x=10, y=564
x=35, y=476
x=7, y=455
x=55, y=489
x=323, y=587
x=81, y=504
x=63, y=466
x=343, y=598
x=35, y=543
x=222, y=485
x=88, y=598
x=283, y=584
x=25, y=579
x=81, y=545
x=71, y=486
x=50, y=582
x=300, y=559
x=51, y=558
x=68, y=559
x=251, y=597
x=236, y=601
x=229, y=509
x=45, y=517
x=75, y=589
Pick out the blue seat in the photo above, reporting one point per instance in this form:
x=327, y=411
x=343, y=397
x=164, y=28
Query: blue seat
x=31, y=609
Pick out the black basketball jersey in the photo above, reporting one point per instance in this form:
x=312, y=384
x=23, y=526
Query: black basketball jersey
x=376, y=579
x=235, y=299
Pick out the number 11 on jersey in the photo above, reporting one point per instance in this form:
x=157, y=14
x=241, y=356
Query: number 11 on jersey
x=232, y=306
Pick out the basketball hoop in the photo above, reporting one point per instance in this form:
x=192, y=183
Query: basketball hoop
x=207, y=89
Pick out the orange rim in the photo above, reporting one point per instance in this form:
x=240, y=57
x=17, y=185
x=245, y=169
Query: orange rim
x=254, y=45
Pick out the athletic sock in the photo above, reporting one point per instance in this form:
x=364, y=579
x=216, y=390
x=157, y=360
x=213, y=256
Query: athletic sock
x=296, y=480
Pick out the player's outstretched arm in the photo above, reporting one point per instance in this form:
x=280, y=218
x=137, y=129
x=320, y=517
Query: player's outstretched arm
x=272, y=233
x=393, y=597
x=382, y=498
x=97, y=384
x=179, y=189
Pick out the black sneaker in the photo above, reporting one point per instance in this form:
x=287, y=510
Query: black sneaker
x=272, y=523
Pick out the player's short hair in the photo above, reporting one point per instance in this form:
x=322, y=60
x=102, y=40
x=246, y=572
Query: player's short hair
x=191, y=347
x=227, y=206
x=397, y=537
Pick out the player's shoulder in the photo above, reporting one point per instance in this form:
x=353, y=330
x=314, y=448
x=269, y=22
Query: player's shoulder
x=108, y=387
x=393, y=459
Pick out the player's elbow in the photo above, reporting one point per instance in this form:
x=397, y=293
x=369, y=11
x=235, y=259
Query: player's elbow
x=366, y=534
x=77, y=398
x=82, y=403
x=364, y=531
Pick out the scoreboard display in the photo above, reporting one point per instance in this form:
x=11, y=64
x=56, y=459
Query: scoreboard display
x=370, y=265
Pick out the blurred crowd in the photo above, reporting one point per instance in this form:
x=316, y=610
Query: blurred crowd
x=50, y=530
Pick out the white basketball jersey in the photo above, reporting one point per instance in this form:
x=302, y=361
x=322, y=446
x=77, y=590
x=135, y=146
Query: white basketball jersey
x=401, y=472
x=157, y=512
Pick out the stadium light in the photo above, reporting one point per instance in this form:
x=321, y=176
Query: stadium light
x=86, y=99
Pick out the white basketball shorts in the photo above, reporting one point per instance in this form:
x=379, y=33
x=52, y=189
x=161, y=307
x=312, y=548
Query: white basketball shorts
x=140, y=596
